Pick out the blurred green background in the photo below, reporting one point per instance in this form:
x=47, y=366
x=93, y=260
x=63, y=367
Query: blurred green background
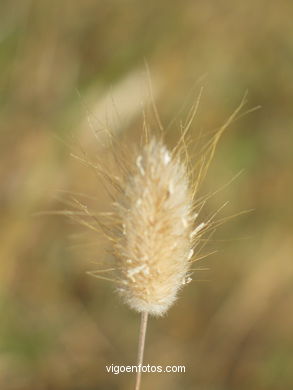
x=61, y=63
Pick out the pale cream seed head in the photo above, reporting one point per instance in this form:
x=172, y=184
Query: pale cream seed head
x=154, y=248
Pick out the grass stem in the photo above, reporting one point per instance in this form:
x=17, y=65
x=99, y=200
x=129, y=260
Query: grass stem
x=141, y=343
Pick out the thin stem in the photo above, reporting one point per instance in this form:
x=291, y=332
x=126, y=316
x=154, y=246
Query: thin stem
x=141, y=342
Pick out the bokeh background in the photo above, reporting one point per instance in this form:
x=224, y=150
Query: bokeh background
x=70, y=68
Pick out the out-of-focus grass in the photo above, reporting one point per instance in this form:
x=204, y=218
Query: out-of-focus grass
x=59, y=328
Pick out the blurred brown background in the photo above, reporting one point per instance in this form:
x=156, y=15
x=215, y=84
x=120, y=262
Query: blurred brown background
x=60, y=62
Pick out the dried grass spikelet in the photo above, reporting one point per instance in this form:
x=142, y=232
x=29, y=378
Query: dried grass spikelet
x=155, y=212
x=153, y=226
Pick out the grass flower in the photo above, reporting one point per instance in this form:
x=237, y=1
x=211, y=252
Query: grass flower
x=154, y=246
x=154, y=226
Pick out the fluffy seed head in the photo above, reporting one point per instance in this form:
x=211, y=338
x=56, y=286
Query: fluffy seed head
x=154, y=248
x=151, y=227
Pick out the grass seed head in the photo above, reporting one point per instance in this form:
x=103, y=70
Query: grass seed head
x=154, y=247
x=152, y=227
